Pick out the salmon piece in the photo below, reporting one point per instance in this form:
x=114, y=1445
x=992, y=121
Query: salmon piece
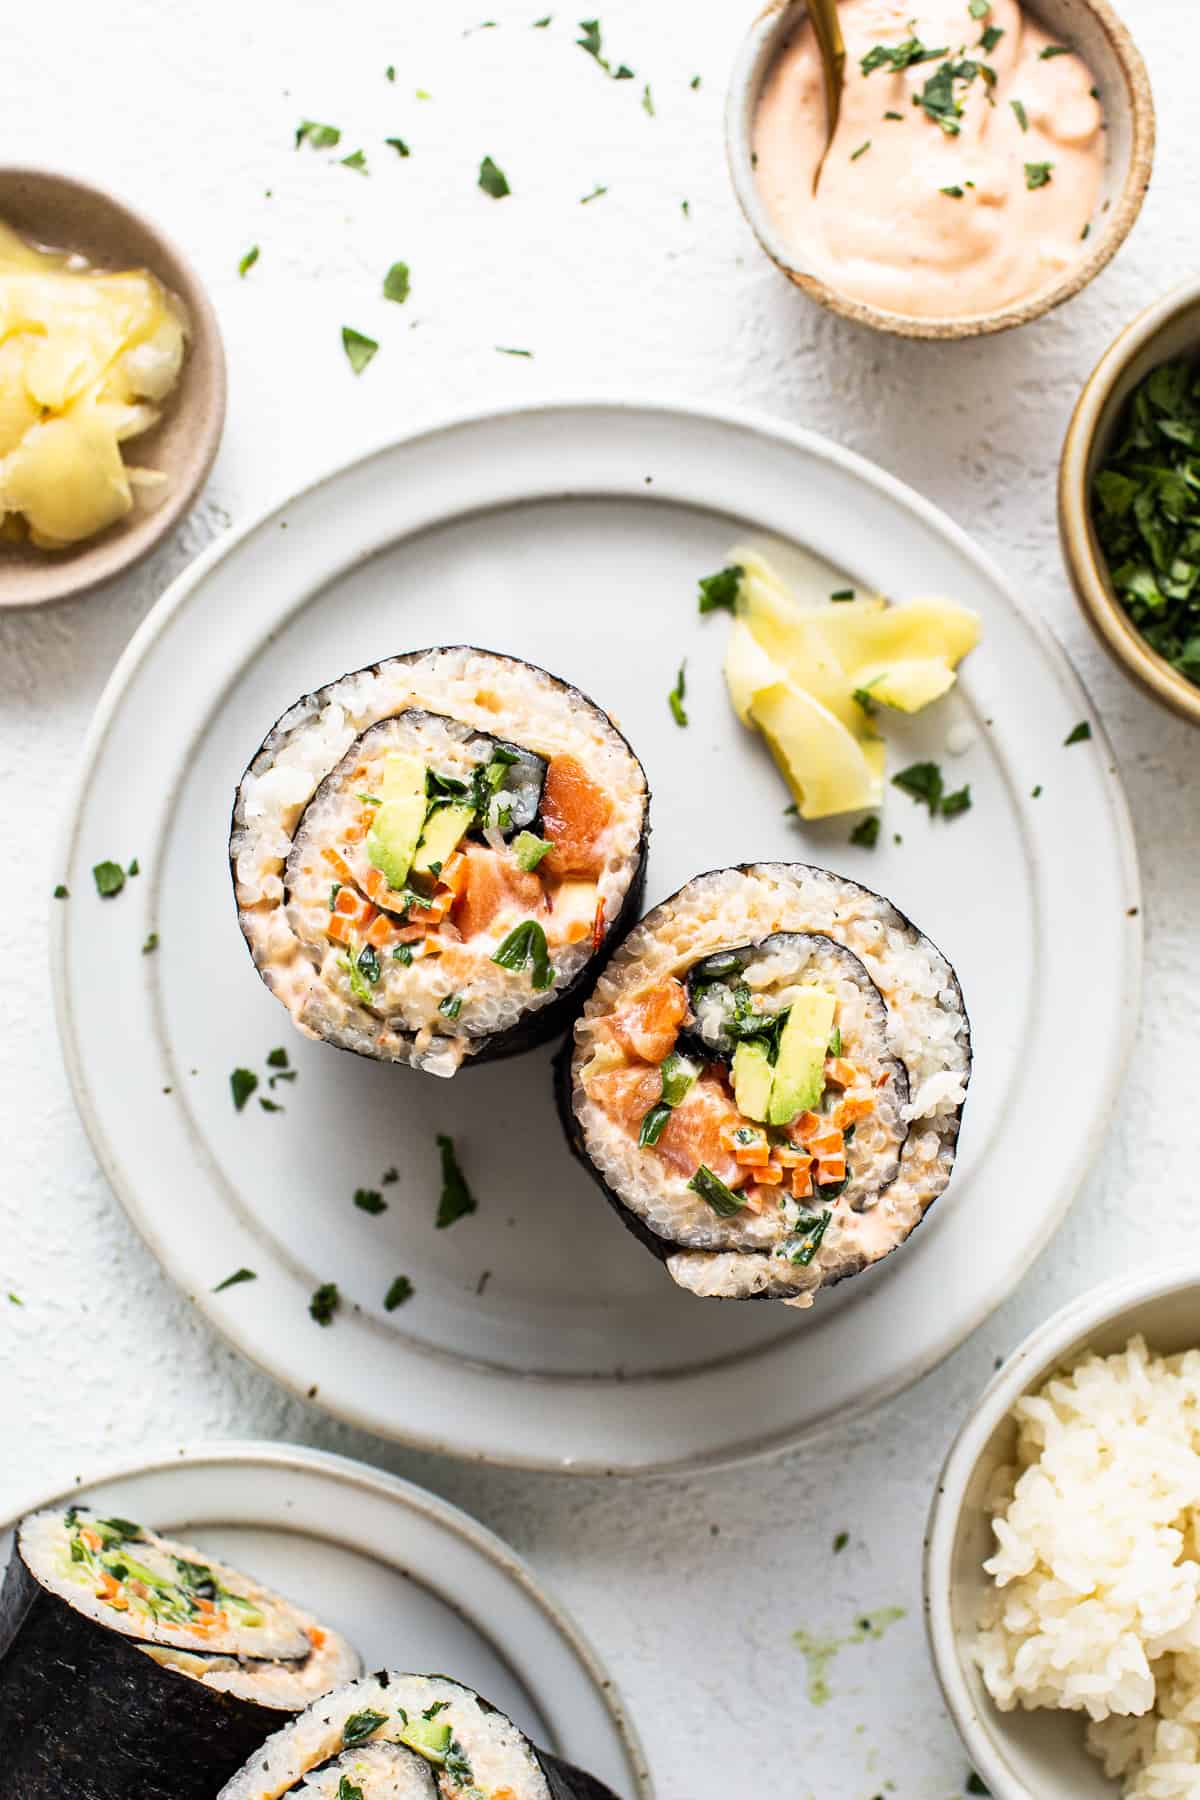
x=492, y=886
x=648, y=1026
x=694, y=1133
x=575, y=814
x=627, y=1095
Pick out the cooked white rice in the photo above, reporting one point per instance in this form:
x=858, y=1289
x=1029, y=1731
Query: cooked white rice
x=1095, y=1602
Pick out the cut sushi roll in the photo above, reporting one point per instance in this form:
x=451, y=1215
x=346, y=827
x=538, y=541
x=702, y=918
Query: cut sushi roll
x=407, y=1737
x=768, y=1080
x=430, y=854
x=134, y=1665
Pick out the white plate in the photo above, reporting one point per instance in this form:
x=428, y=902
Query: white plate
x=574, y=536
x=412, y=1582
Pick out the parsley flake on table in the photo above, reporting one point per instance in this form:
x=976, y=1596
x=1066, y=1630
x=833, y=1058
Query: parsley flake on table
x=235, y=1280
x=675, y=698
x=316, y=136
x=242, y=1084
x=399, y=146
x=396, y=283
x=62, y=891
x=400, y=1290
x=1079, y=734
x=369, y=1200
x=359, y=348
x=1038, y=175
x=592, y=42
x=976, y=1785
x=456, y=1200
x=248, y=261
x=151, y=944
x=109, y=878
x=866, y=832
x=648, y=102
x=861, y=151
x=357, y=159
x=389, y=74
x=270, y=1105
x=721, y=590
x=135, y=867
x=594, y=195
x=541, y=24
x=277, y=1059
x=840, y=1542
x=924, y=783
x=324, y=1303
x=1022, y=115
x=493, y=180
x=508, y=350
x=388, y=1177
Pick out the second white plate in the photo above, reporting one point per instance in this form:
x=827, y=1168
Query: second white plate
x=540, y=1333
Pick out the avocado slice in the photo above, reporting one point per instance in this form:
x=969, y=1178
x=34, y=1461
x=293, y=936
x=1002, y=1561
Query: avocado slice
x=430, y=1738
x=799, y=1075
x=393, y=838
x=752, y=1080
x=443, y=829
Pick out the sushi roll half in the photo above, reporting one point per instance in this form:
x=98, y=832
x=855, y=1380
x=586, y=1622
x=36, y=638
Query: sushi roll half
x=134, y=1665
x=430, y=854
x=407, y=1737
x=768, y=1080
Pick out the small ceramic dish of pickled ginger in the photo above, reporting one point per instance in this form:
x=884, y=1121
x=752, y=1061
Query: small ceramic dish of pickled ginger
x=112, y=387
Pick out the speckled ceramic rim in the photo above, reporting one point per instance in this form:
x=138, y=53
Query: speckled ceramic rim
x=1029, y=1364
x=43, y=203
x=1091, y=423
x=749, y=71
x=344, y=1473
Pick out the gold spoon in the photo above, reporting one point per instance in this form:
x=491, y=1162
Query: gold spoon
x=828, y=32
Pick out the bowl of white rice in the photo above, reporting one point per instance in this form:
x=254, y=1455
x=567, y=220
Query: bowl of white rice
x=1062, y=1561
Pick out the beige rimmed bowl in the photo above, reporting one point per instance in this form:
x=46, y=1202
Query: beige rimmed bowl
x=1089, y=26
x=1168, y=328
x=1029, y=1755
x=69, y=214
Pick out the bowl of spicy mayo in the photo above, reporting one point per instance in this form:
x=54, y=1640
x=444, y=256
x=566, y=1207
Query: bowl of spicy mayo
x=989, y=157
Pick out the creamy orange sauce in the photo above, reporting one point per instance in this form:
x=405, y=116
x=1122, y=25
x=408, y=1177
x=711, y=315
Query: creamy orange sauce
x=881, y=226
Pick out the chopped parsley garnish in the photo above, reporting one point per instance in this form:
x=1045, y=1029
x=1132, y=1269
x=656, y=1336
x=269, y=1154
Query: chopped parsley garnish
x=925, y=783
x=398, y=145
x=721, y=590
x=317, y=137
x=866, y=832
x=348, y=1790
x=322, y=1307
x=541, y=24
x=270, y=1105
x=277, y=1059
x=694, y=83
x=861, y=696
x=1079, y=734
x=938, y=99
x=357, y=160
x=861, y=151
x=109, y=878
x=431, y=1712
x=990, y=38
x=899, y=56
x=714, y=1193
x=676, y=696
x=360, y=1725
x=456, y=1199
x=359, y=348
x=525, y=947
x=840, y=1542
x=242, y=1084
x=508, y=350
x=976, y=1785
x=894, y=115
x=957, y=802
x=396, y=283
x=592, y=42
x=1022, y=115
x=979, y=9
x=955, y=193
x=235, y=1280
x=492, y=179
x=594, y=195
x=389, y=73
x=1035, y=793
x=1146, y=510
x=1053, y=50
x=401, y=1290
x=1038, y=175
x=368, y=1200
x=62, y=891
x=648, y=101
x=529, y=850
x=151, y=944
x=450, y=1005
x=135, y=867
x=841, y=594
x=457, y=1766
x=248, y=261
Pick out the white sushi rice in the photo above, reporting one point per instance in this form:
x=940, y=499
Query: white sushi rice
x=498, y=1754
x=926, y=1029
x=498, y=695
x=1094, y=1605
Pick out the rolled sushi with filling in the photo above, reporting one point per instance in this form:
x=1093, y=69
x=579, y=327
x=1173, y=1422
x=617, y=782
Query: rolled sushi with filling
x=768, y=1080
x=132, y=1665
x=430, y=855
x=407, y=1737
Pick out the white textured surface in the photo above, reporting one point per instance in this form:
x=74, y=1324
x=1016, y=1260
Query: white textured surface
x=690, y=1587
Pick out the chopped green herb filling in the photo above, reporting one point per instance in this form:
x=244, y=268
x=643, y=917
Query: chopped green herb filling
x=525, y=947
x=714, y=1193
x=360, y=1726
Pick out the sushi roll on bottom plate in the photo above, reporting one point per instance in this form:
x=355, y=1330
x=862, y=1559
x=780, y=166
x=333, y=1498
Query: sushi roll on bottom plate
x=768, y=1080
x=429, y=855
x=407, y=1737
x=134, y=1665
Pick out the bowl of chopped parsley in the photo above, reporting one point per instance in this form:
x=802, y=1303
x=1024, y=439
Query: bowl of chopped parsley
x=1129, y=500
